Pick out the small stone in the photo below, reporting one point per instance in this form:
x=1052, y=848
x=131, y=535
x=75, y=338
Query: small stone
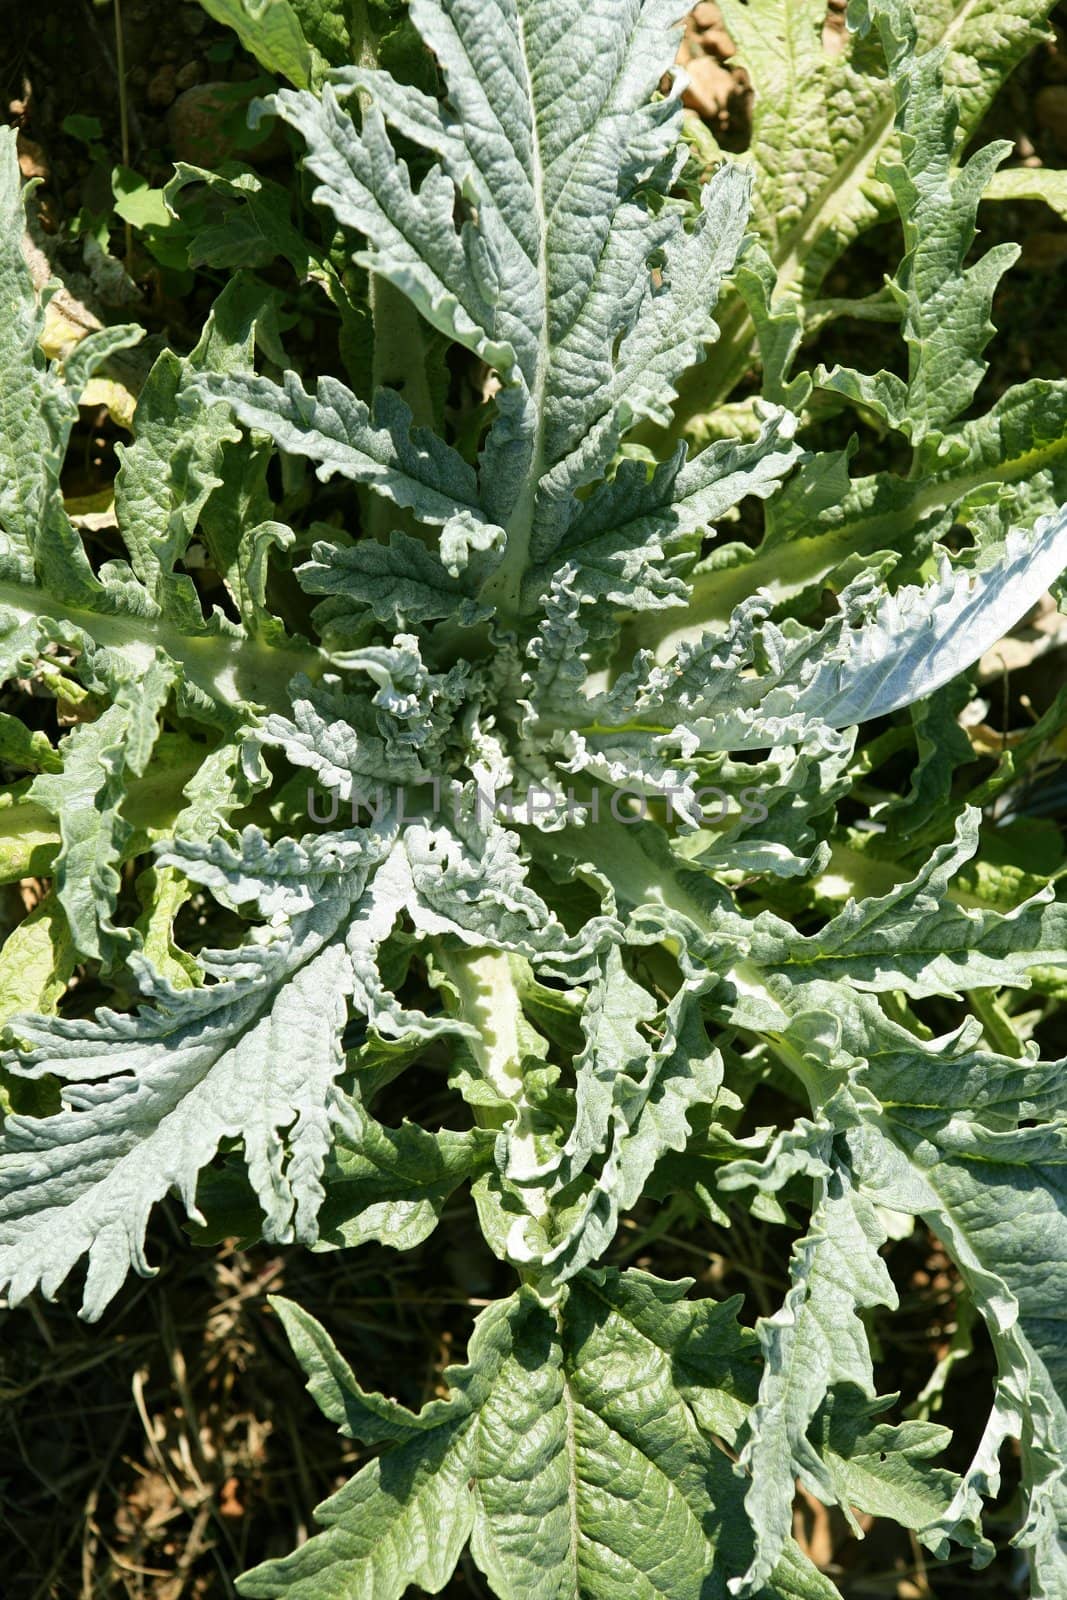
x=717, y=42
x=706, y=15
x=711, y=87
x=192, y=72
x=204, y=124
x=1050, y=108
x=707, y=20
x=197, y=121
x=163, y=87
x=193, y=21
x=834, y=33
x=33, y=163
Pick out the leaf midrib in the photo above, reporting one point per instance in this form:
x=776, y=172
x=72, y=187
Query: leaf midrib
x=796, y=564
x=224, y=666
x=505, y=586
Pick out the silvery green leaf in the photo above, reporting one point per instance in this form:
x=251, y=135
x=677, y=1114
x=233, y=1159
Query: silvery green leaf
x=167, y=474
x=883, y=1468
x=771, y=816
x=816, y=1341
x=922, y=637
x=951, y=1150
x=393, y=1183
x=614, y=1047
x=39, y=408
x=945, y=311
x=86, y=798
x=824, y=130
x=149, y=1097
x=915, y=939
x=624, y=537
x=540, y=1460
x=586, y=339
x=402, y=581
x=322, y=735
x=883, y=652
x=668, y=336
x=645, y=1117
x=411, y=467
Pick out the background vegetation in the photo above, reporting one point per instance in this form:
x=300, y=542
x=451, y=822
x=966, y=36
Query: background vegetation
x=172, y=1445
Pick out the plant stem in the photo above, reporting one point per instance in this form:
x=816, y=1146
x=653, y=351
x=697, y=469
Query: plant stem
x=124, y=116
x=398, y=362
x=996, y=1023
